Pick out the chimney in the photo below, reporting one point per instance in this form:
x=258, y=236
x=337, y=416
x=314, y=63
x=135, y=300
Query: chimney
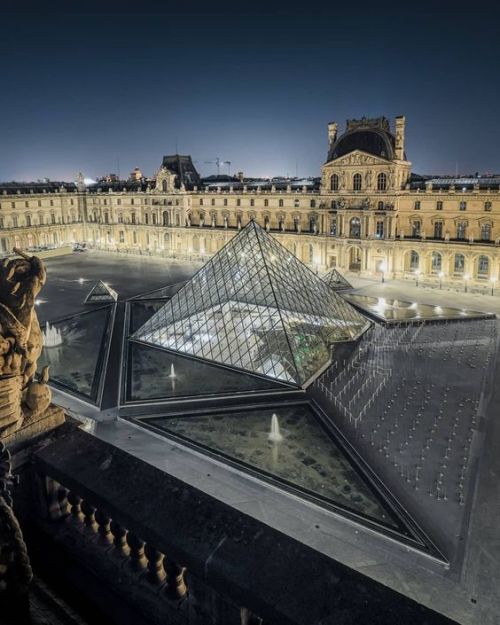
x=332, y=133
x=400, y=137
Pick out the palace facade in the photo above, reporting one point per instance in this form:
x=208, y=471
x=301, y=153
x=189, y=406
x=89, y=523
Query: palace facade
x=367, y=213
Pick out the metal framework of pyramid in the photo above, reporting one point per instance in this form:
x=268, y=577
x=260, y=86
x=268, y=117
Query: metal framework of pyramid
x=101, y=293
x=256, y=307
x=336, y=280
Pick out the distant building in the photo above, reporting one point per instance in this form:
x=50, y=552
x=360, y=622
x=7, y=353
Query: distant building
x=367, y=211
x=136, y=174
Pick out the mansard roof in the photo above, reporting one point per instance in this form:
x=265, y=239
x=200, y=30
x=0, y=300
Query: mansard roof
x=184, y=168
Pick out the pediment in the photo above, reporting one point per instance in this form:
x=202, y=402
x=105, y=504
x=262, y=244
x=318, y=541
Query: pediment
x=357, y=157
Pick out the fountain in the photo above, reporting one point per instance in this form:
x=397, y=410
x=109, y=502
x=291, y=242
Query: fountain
x=52, y=337
x=172, y=375
x=275, y=435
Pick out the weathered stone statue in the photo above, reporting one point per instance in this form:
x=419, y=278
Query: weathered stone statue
x=22, y=399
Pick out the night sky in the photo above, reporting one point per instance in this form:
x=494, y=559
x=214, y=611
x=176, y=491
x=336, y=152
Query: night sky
x=103, y=86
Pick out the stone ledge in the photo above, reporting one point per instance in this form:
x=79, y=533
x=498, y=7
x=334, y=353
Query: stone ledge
x=32, y=432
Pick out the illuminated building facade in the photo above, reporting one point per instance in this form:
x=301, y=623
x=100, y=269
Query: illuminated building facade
x=367, y=213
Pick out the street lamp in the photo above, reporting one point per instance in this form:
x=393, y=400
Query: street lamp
x=492, y=280
x=466, y=280
x=383, y=269
x=441, y=274
x=417, y=273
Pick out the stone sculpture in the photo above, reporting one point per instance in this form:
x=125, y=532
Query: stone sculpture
x=22, y=399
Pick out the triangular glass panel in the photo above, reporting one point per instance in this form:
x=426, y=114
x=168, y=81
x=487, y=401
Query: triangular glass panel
x=336, y=280
x=154, y=373
x=101, y=293
x=255, y=306
x=141, y=310
x=293, y=446
x=76, y=348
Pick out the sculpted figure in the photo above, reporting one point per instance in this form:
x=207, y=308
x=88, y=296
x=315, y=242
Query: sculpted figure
x=21, y=398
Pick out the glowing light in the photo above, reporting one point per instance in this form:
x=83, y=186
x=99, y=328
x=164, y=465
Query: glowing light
x=383, y=266
x=441, y=274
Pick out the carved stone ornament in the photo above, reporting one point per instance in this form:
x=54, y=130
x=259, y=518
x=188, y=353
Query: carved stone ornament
x=23, y=400
x=165, y=181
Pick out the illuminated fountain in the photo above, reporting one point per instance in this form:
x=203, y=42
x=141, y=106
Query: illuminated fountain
x=52, y=337
x=275, y=435
x=172, y=375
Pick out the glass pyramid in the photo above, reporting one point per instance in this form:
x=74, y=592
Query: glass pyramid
x=161, y=293
x=256, y=307
x=101, y=293
x=77, y=364
x=336, y=280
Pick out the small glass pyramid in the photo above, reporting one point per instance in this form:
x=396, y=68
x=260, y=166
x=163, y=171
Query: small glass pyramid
x=255, y=306
x=336, y=280
x=101, y=293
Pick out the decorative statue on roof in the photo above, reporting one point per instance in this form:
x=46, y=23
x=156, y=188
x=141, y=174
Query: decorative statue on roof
x=165, y=180
x=22, y=399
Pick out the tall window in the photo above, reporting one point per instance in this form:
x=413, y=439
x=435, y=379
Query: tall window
x=132, y=217
x=281, y=203
x=483, y=267
x=313, y=204
x=463, y=205
x=52, y=218
x=437, y=261
x=379, y=231
x=356, y=182
x=334, y=183
x=166, y=219
x=461, y=230
x=213, y=201
x=266, y=202
x=485, y=232
x=225, y=201
x=146, y=218
x=459, y=263
x=416, y=206
x=438, y=230
x=311, y=253
x=333, y=227
x=154, y=219
x=414, y=260
x=238, y=202
x=381, y=182
x=28, y=220
x=439, y=205
x=14, y=221
x=380, y=205
x=415, y=228
x=121, y=236
x=487, y=206
x=201, y=201
x=355, y=227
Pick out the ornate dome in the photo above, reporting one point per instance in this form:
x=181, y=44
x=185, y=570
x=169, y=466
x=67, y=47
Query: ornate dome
x=375, y=141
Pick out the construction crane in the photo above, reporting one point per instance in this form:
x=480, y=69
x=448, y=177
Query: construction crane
x=218, y=161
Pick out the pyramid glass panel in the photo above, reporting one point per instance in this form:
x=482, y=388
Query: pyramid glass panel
x=305, y=457
x=336, y=280
x=101, y=293
x=255, y=306
x=76, y=360
x=162, y=292
x=159, y=374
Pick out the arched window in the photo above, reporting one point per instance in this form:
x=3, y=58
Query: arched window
x=355, y=227
x=437, y=262
x=459, y=263
x=483, y=267
x=380, y=205
x=166, y=218
x=414, y=260
x=381, y=182
x=334, y=183
x=486, y=232
x=356, y=182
